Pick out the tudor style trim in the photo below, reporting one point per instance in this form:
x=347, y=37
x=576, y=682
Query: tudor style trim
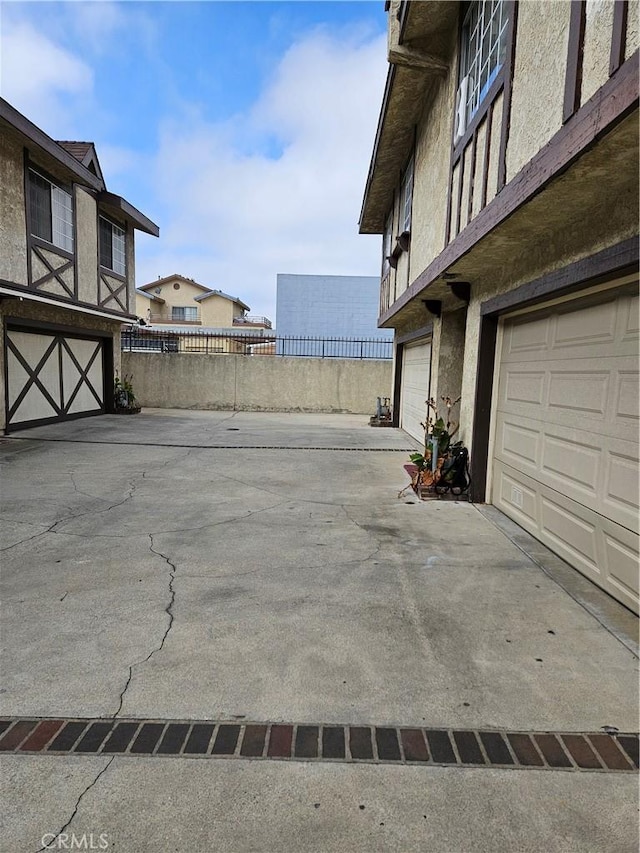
x=618, y=35
x=614, y=261
x=506, y=98
x=575, y=56
x=613, y=102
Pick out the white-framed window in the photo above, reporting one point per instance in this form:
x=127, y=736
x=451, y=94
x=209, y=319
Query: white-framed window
x=483, y=50
x=406, y=198
x=184, y=313
x=51, y=212
x=112, y=246
x=386, y=243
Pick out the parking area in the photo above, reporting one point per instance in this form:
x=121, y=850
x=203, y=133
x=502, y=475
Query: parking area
x=261, y=570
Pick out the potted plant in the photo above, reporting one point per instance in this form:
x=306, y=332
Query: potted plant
x=443, y=465
x=124, y=400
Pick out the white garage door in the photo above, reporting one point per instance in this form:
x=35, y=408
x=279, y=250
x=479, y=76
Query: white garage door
x=566, y=436
x=52, y=377
x=416, y=367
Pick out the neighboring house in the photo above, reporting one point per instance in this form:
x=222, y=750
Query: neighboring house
x=328, y=306
x=66, y=276
x=504, y=183
x=182, y=305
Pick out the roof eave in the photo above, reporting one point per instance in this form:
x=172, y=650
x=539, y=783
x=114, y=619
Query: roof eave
x=39, y=139
x=122, y=207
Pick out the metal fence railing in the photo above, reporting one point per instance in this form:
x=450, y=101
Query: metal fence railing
x=254, y=342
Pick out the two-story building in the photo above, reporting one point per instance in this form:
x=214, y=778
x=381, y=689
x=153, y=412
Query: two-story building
x=66, y=276
x=504, y=183
x=184, y=306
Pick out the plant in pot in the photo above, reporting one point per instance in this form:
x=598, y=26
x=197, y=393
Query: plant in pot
x=439, y=430
x=124, y=400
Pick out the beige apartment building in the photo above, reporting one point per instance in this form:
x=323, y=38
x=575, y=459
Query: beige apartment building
x=66, y=276
x=183, y=305
x=504, y=183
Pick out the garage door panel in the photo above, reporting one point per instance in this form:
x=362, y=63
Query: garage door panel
x=51, y=376
x=621, y=563
x=605, y=552
x=584, y=327
x=600, y=472
x=416, y=366
x=566, y=436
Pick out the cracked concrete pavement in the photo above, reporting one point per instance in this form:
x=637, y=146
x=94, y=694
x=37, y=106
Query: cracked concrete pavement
x=202, y=565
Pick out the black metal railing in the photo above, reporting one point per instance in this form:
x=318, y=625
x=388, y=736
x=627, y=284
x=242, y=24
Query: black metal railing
x=256, y=342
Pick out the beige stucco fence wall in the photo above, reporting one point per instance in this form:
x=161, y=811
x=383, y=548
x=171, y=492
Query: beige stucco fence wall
x=257, y=383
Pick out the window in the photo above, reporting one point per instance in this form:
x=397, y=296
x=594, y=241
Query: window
x=51, y=211
x=112, y=247
x=386, y=244
x=406, y=197
x=179, y=313
x=483, y=49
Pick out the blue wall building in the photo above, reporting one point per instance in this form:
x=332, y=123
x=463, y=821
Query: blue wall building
x=329, y=307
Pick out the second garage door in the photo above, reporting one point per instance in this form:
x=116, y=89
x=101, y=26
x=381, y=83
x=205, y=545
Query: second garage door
x=416, y=368
x=566, y=435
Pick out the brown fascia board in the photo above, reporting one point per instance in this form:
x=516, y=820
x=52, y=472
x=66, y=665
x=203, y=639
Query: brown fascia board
x=121, y=207
x=35, y=138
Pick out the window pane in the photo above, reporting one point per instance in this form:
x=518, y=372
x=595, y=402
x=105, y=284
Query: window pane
x=177, y=313
x=62, y=219
x=119, y=262
x=106, y=244
x=483, y=48
x=40, y=206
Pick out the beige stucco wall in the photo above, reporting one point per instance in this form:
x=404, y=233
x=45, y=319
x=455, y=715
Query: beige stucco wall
x=257, y=383
x=86, y=246
x=219, y=312
x=27, y=310
x=597, y=46
x=538, y=79
x=13, y=226
x=431, y=176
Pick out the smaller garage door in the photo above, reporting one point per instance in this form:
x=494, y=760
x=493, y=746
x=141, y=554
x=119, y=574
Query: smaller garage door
x=52, y=376
x=566, y=442
x=416, y=371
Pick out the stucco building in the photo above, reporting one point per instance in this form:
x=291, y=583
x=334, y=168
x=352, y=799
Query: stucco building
x=504, y=183
x=66, y=276
x=183, y=306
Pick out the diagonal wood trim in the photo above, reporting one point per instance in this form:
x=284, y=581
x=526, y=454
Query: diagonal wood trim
x=33, y=378
x=84, y=375
x=54, y=272
x=612, y=103
x=575, y=55
x=619, y=35
x=506, y=98
x=113, y=293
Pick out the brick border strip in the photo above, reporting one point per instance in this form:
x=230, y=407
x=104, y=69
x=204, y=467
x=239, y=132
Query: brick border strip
x=590, y=751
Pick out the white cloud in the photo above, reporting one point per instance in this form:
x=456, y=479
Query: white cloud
x=277, y=189
x=40, y=78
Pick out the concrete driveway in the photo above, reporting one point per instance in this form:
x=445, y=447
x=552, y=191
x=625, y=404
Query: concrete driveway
x=260, y=574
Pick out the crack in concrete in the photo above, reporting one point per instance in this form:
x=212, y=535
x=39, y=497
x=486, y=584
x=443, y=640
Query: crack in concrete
x=71, y=517
x=49, y=846
x=168, y=610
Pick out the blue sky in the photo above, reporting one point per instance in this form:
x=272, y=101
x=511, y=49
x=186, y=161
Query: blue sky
x=244, y=129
